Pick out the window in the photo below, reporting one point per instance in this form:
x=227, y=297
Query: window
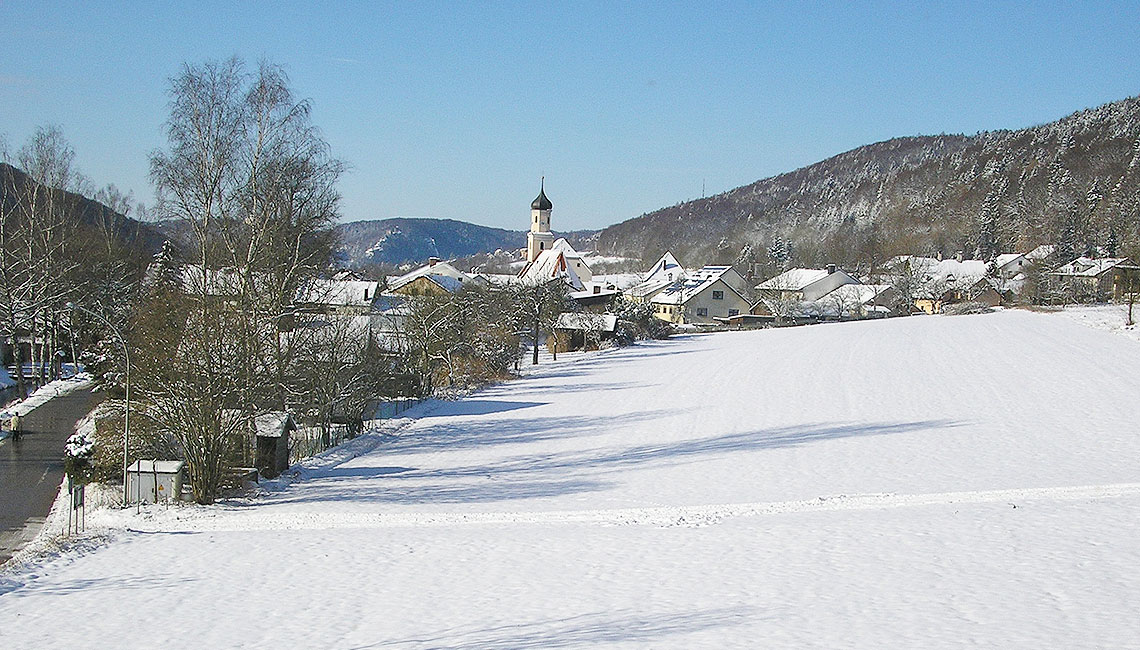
x=541, y=245
x=733, y=312
x=702, y=311
x=718, y=295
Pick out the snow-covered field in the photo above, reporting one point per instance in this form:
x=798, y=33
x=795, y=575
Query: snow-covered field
x=932, y=482
x=1113, y=318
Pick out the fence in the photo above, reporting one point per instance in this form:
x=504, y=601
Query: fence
x=311, y=440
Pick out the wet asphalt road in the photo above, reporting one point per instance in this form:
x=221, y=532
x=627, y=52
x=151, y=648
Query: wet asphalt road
x=31, y=468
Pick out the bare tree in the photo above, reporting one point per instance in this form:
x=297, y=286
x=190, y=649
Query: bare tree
x=254, y=183
x=37, y=225
x=539, y=304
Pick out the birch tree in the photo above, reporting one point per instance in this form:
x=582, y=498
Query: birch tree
x=253, y=182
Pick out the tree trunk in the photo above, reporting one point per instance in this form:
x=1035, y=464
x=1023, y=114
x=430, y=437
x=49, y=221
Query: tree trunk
x=535, y=359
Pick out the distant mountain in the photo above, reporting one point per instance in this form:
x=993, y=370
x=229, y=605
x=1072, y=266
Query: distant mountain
x=403, y=239
x=1074, y=182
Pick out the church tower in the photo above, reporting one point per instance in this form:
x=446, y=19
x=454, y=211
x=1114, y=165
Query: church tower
x=539, y=238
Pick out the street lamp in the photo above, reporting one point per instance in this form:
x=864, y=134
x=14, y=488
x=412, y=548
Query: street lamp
x=127, y=400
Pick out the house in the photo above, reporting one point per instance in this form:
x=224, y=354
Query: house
x=701, y=297
x=935, y=283
x=435, y=278
x=1104, y=277
x=581, y=331
x=596, y=297
x=1009, y=265
x=801, y=285
x=664, y=273
x=667, y=268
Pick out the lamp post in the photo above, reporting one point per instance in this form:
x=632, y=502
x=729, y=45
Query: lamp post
x=127, y=399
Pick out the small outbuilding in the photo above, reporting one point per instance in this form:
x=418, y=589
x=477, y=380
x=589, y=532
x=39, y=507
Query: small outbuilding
x=154, y=481
x=272, y=431
x=581, y=331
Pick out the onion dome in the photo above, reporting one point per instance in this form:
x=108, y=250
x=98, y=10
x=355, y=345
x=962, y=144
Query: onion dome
x=542, y=203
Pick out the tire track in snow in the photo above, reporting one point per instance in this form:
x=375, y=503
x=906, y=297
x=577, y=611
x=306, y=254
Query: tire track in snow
x=656, y=516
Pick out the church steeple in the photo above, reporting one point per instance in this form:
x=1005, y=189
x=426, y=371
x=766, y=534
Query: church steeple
x=539, y=238
x=542, y=203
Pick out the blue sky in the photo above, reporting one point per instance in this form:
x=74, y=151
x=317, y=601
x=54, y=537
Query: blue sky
x=455, y=109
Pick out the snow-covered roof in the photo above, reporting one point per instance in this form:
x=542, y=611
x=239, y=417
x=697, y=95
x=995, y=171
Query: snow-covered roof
x=1090, y=267
x=356, y=293
x=1006, y=258
x=1041, y=252
x=855, y=294
x=551, y=265
x=680, y=292
x=586, y=321
x=499, y=279
x=951, y=272
x=437, y=268
x=621, y=281
x=793, y=280
x=273, y=424
x=649, y=288
x=561, y=244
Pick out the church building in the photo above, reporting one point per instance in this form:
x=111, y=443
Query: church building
x=547, y=259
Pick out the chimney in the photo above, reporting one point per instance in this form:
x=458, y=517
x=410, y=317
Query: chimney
x=432, y=261
x=958, y=257
x=831, y=269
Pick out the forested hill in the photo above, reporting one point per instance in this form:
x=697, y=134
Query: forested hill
x=403, y=239
x=90, y=213
x=1074, y=182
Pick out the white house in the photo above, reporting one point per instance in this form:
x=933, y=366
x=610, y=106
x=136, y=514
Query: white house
x=664, y=273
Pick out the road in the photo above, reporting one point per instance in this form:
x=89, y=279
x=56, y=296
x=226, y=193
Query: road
x=31, y=468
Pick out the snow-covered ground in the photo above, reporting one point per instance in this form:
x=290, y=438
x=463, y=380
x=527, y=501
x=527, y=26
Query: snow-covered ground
x=933, y=482
x=1113, y=318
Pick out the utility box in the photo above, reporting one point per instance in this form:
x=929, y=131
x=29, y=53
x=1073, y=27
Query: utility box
x=154, y=481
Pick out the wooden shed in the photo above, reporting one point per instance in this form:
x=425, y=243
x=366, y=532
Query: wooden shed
x=271, y=431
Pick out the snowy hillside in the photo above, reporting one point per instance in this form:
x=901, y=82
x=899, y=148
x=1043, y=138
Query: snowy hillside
x=933, y=482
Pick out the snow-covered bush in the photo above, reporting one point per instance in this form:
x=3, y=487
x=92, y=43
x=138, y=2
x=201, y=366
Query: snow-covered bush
x=637, y=322
x=79, y=453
